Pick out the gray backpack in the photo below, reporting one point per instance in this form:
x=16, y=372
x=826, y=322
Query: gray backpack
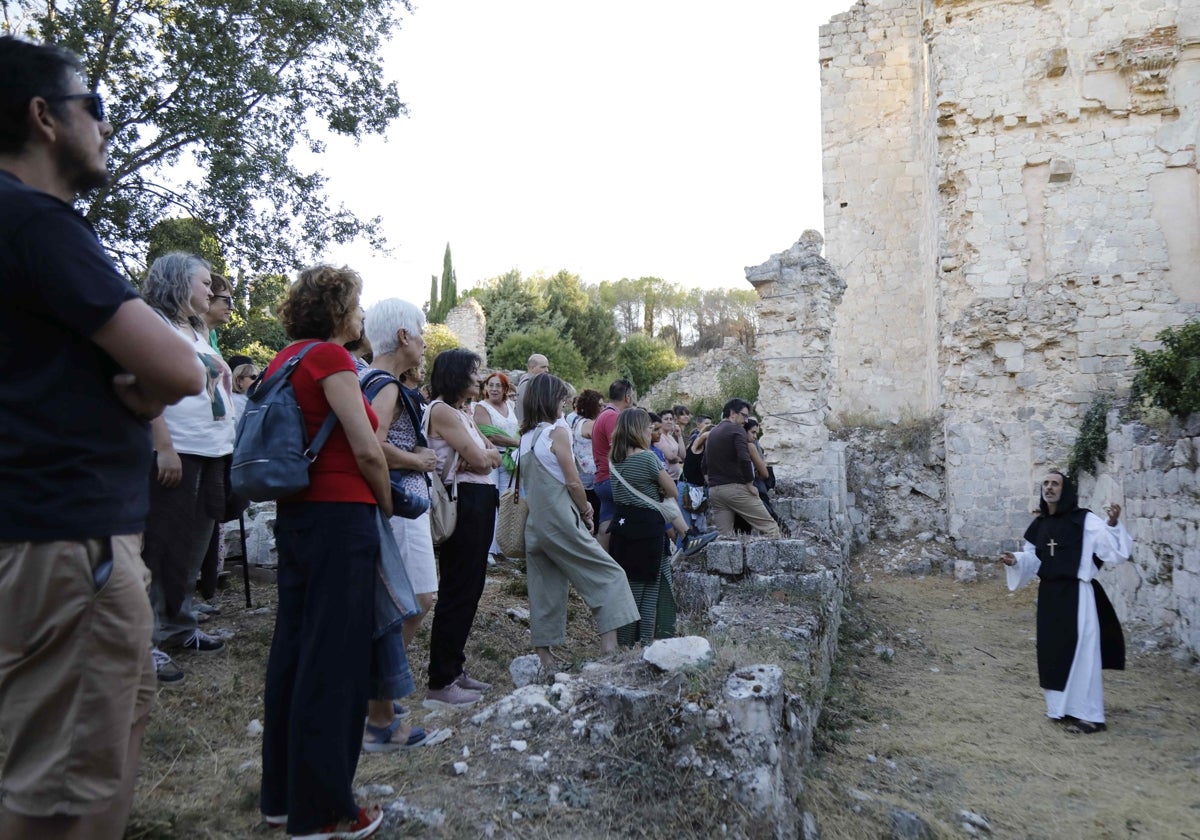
x=272, y=452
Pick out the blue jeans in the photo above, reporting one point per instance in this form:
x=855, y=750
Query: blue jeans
x=318, y=668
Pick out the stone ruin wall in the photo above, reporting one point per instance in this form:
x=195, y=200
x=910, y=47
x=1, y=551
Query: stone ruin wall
x=798, y=293
x=1011, y=193
x=469, y=324
x=699, y=378
x=1156, y=476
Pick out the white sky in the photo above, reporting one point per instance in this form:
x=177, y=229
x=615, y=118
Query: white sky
x=622, y=139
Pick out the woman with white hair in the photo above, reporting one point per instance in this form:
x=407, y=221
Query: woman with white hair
x=393, y=329
x=187, y=490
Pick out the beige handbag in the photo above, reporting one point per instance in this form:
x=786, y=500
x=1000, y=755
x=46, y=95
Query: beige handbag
x=668, y=509
x=443, y=501
x=510, y=524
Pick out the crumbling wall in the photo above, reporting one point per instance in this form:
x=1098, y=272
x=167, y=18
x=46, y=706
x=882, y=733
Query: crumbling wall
x=1155, y=476
x=799, y=292
x=700, y=377
x=468, y=322
x=879, y=207
x=1059, y=137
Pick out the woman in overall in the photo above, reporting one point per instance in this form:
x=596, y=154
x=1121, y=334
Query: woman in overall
x=559, y=546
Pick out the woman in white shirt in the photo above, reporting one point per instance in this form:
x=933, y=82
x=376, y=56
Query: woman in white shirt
x=191, y=441
x=497, y=420
x=559, y=546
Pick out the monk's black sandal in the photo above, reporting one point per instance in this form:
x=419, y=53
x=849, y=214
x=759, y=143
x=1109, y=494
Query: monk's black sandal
x=1085, y=727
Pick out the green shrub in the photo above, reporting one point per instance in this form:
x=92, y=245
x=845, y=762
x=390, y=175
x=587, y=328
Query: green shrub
x=1169, y=377
x=740, y=380
x=514, y=351
x=646, y=360
x=438, y=337
x=1091, y=444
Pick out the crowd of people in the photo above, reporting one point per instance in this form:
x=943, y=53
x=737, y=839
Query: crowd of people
x=112, y=514
x=122, y=518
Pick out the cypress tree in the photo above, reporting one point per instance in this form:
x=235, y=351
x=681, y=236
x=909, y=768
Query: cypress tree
x=449, y=284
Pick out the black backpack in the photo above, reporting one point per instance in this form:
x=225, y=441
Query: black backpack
x=272, y=453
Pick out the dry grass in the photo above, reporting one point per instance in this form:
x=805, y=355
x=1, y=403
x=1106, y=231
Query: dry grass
x=968, y=735
x=200, y=770
x=955, y=720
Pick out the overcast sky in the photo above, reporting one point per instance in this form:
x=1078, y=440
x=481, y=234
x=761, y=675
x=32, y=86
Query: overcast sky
x=624, y=139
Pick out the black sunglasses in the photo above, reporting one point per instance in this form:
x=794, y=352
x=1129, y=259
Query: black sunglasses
x=228, y=300
x=92, y=103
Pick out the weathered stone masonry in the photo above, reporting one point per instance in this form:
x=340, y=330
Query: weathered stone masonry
x=1012, y=197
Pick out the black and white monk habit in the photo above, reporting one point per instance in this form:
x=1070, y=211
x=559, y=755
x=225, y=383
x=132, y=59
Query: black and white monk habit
x=1077, y=628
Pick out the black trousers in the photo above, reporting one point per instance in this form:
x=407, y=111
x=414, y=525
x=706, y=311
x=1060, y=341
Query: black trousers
x=462, y=568
x=318, y=668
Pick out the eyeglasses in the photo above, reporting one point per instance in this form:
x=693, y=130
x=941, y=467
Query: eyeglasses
x=92, y=103
x=228, y=300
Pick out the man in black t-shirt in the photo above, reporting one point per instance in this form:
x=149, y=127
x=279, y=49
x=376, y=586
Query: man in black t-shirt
x=76, y=676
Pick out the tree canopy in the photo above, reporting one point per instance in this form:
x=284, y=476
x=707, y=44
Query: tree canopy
x=209, y=100
x=645, y=361
x=561, y=304
x=565, y=360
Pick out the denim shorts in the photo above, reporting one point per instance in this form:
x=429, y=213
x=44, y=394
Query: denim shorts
x=608, y=508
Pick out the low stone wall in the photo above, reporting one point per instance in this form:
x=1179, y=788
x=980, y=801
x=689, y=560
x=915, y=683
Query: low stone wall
x=1156, y=477
x=762, y=594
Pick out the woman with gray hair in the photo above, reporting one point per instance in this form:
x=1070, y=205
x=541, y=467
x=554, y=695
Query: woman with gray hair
x=393, y=329
x=187, y=486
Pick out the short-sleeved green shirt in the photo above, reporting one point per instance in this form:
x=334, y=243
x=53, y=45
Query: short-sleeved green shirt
x=640, y=470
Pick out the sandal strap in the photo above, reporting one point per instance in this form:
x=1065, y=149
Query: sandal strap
x=383, y=734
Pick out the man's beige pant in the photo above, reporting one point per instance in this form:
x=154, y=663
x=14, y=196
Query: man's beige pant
x=725, y=500
x=75, y=671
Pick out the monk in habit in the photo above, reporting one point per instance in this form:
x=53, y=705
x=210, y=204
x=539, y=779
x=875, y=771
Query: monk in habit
x=1077, y=628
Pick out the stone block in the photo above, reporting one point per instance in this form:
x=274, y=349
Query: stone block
x=1061, y=170
x=696, y=592
x=762, y=557
x=630, y=705
x=679, y=653
x=811, y=510
x=725, y=557
x=755, y=696
x=818, y=586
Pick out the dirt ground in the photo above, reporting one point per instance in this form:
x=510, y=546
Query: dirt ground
x=935, y=709
x=201, y=765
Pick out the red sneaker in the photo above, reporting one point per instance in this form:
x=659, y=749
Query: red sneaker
x=364, y=825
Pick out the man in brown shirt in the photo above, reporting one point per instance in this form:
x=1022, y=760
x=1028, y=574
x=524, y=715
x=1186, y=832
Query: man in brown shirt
x=730, y=472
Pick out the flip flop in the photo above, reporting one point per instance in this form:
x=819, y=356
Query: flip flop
x=1086, y=727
